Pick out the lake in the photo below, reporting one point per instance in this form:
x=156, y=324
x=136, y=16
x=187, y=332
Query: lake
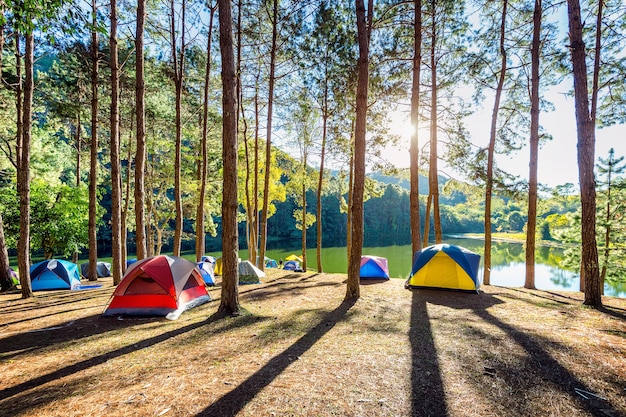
x=508, y=267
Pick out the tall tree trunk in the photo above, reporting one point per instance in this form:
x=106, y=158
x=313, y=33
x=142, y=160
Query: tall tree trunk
x=531, y=225
x=594, y=107
x=229, y=300
x=140, y=154
x=255, y=218
x=492, y=146
x=268, y=139
x=350, y=189
x=178, y=55
x=320, y=182
x=363, y=22
x=586, y=157
x=93, y=169
x=303, y=236
x=200, y=228
x=433, y=172
x=125, y=209
x=116, y=177
x=429, y=203
x=416, y=237
x=23, y=176
x=79, y=147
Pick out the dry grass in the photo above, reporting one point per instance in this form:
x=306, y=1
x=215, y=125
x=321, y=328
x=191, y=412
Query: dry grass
x=299, y=350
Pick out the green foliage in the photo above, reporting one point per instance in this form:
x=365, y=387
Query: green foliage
x=60, y=217
x=309, y=219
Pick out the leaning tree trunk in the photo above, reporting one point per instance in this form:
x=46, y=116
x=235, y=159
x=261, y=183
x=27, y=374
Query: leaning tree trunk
x=268, y=139
x=492, y=146
x=200, y=228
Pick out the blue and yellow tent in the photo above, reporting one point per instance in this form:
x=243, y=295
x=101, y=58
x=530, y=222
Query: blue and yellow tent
x=445, y=266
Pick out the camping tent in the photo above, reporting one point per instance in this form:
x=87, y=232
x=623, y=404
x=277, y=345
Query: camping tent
x=54, y=274
x=445, y=266
x=217, y=269
x=249, y=274
x=14, y=278
x=293, y=257
x=206, y=268
x=292, y=266
x=103, y=269
x=374, y=267
x=158, y=286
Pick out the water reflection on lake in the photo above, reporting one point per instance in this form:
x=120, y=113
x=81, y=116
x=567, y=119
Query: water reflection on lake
x=508, y=265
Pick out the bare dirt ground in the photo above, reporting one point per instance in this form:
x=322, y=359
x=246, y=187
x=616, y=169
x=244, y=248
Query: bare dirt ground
x=300, y=350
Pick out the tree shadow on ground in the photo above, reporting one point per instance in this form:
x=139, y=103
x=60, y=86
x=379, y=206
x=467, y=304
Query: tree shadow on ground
x=428, y=397
x=540, y=367
x=17, y=399
x=234, y=401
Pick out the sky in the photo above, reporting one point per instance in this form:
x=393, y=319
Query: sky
x=557, y=161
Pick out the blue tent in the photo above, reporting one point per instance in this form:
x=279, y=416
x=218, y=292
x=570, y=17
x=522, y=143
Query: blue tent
x=445, y=266
x=374, y=267
x=54, y=274
x=207, y=270
x=292, y=266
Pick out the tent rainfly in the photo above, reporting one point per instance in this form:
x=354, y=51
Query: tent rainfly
x=374, y=267
x=158, y=286
x=445, y=266
x=249, y=274
x=102, y=268
x=54, y=274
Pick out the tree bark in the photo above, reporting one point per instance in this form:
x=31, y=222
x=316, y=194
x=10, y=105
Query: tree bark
x=586, y=157
x=178, y=57
x=229, y=301
x=23, y=177
x=116, y=178
x=93, y=169
x=140, y=154
x=416, y=236
x=492, y=146
x=268, y=139
x=363, y=36
x=200, y=228
x=433, y=172
x=531, y=225
x=320, y=182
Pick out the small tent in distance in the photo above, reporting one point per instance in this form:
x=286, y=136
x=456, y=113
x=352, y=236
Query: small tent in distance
x=54, y=274
x=103, y=269
x=158, y=286
x=374, y=267
x=207, y=269
x=445, y=266
x=249, y=274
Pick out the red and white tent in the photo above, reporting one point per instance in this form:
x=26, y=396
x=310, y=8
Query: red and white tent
x=158, y=286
